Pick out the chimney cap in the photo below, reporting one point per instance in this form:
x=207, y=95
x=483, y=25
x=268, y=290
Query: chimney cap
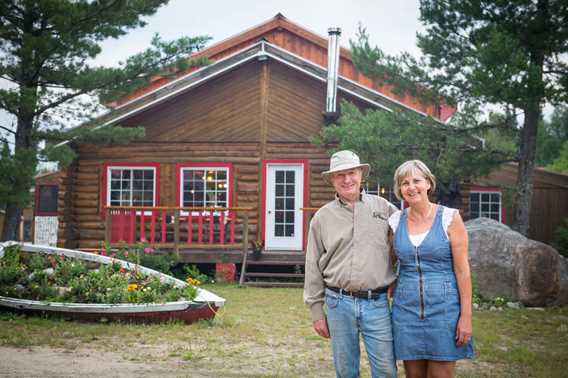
x=334, y=30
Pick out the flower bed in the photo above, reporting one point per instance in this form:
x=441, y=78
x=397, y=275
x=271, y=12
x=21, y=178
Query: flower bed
x=57, y=278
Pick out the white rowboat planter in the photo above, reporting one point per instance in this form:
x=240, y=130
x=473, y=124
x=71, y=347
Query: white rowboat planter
x=204, y=306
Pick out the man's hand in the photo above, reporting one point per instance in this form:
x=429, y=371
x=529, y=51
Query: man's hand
x=321, y=329
x=391, y=289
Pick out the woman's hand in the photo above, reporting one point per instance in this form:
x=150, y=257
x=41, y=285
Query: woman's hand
x=463, y=331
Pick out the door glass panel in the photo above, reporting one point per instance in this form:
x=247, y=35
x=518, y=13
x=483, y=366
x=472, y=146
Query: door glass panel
x=284, y=203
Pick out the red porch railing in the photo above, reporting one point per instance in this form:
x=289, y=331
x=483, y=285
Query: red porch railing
x=177, y=227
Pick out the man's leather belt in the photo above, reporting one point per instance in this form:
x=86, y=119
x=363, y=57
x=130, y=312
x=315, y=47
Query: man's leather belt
x=365, y=294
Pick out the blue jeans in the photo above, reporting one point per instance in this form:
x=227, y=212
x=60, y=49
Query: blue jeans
x=347, y=317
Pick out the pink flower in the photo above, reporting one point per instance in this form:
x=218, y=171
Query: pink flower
x=103, y=253
x=148, y=250
x=126, y=254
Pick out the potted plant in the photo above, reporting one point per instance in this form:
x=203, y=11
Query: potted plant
x=257, y=246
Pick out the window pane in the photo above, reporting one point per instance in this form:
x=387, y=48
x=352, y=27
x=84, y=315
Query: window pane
x=290, y=190
x=474, y=197
x=495, y=207
x=495, y=197
x=126, y=174
x=47, y=199
x=138, y=174
x=290, y=177
x=114, y=184
x=221, y=175
x=279, y=230
x=484, y=207
x=290, y=203
x=485, y=197
x=279, y=216
x=289, y=230
x=149, y=174
x=474, y=214
x=279, y=203
x=137, y=185
x=279, y=190
x=279, y=176
x=495, y=216
x=289, y=217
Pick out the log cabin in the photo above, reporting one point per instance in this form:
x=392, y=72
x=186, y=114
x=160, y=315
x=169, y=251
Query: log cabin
x=227, y=161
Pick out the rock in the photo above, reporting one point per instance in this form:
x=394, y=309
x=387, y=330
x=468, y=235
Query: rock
x=49, y=271
x=491, y=259
x=492, y=308
x=18, y=288
x=506, y=264
x=537, y=280
x=514, y=305
x=475, y=306
x=562, y=298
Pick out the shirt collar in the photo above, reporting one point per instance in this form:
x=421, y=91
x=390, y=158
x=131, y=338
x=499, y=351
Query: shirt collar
x=343, y=203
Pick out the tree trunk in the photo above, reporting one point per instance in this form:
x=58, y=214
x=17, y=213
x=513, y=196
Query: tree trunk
x=11, y=222
x=21, y=183
x=525, y=172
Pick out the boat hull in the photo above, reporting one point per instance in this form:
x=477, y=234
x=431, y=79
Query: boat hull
x=204, y=306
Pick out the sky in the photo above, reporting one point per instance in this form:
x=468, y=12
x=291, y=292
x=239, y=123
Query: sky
x=392, y=25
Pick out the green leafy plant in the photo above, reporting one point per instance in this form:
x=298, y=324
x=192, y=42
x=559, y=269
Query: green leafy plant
x=64, y=279
x=560, y=239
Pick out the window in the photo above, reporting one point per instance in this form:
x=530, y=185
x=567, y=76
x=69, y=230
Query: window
x=132, y=185
x=204, y=185
x=485, y=204
x=46, y=200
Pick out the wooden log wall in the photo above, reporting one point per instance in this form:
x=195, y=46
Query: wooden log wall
x=260, y=111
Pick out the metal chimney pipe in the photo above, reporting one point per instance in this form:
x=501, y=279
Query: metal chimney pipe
x=332, y=69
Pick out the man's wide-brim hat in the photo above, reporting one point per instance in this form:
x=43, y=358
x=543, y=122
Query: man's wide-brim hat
x=343, y=161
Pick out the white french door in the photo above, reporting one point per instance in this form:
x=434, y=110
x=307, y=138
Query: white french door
x=284, y=199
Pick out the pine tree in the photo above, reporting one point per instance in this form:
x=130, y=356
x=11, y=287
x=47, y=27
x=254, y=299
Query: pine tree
x=505, y=53
x=46, y=53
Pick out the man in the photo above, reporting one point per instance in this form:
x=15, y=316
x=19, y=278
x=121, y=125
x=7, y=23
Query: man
x=348, y=267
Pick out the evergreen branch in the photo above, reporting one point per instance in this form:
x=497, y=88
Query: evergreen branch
x=8, y=130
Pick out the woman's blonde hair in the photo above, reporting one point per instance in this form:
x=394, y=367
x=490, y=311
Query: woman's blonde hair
x=407, y=168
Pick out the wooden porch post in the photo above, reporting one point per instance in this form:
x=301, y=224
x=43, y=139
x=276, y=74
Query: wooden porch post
x=245, y=247
x=176, y=231
x=108, y=226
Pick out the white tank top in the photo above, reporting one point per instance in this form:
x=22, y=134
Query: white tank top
x=416, y=239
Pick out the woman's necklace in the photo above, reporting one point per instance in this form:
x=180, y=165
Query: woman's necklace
x=427, y=214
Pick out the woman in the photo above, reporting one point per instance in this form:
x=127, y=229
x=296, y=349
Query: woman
x=432, y=302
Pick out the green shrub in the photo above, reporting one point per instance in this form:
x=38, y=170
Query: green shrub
x=560, y=239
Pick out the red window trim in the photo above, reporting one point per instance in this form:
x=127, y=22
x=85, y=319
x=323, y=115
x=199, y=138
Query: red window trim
x=127, y=164
x=229, y=166
x=265, y=163
x=36, y=204
x=492, y=189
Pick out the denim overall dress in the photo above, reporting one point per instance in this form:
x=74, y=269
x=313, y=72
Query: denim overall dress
x=426, y=304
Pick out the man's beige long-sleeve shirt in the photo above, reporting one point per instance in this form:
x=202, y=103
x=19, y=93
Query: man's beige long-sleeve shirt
x=347, y=248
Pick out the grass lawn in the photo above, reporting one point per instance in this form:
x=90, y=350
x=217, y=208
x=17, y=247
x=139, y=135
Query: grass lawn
x=267, y=333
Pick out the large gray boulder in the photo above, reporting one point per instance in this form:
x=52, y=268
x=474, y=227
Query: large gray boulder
x=562, y=298
x=505, y=263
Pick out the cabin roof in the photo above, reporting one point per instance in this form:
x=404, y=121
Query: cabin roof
x=260, y=50
x=300, y=42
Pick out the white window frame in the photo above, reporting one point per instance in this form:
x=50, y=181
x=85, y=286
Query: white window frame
x=480, y=193
x=131, y=168
x=183, y=170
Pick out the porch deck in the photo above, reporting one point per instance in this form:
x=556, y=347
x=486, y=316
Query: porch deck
x=235, y=255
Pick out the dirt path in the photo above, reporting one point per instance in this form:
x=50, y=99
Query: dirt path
x=48, y=362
